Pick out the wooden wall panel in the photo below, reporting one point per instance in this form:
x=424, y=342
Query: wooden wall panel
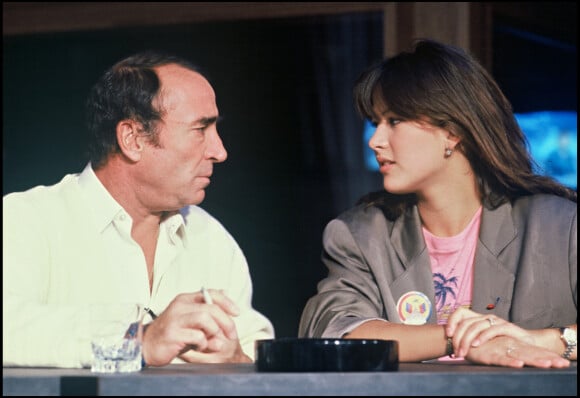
x=36, y=17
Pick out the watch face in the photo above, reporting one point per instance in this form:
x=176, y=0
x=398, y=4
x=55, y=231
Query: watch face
x=570, y=336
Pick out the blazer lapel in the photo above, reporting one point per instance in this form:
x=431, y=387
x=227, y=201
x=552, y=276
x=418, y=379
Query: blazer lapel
x=409, y=244
x=494, y=280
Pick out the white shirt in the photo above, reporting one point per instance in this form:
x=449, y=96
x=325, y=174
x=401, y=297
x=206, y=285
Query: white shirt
x=68, y=245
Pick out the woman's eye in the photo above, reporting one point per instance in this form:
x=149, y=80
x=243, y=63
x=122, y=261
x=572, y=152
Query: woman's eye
x=393, y=121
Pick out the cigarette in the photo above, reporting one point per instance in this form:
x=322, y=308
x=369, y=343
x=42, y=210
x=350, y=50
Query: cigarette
x=206, y=297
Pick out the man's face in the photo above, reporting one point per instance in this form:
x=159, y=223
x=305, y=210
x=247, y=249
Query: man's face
x=176, y=172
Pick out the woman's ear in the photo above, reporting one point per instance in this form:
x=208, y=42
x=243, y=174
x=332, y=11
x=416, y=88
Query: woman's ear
x=452, y=140
x=129, y=139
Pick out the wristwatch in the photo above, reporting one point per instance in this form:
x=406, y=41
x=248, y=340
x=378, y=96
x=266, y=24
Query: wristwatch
x=568, y=336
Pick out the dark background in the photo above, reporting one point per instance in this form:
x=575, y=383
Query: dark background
x=282, y=181
x=275, y=191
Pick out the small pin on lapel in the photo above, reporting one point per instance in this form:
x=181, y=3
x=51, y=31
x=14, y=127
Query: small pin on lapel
x=491, y=306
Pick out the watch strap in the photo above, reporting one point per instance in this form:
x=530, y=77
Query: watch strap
x=569, y=345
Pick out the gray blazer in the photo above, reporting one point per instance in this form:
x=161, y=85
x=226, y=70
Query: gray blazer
x=525, y=256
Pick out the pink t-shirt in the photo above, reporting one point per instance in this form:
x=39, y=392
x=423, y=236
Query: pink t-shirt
x=452, y=266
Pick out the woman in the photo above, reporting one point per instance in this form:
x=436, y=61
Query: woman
x=467, y=252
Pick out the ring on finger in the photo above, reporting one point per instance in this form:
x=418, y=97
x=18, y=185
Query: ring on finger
x=509, y=350
x=491, y=322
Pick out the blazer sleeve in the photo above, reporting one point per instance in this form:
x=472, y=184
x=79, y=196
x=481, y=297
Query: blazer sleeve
x=349, y=295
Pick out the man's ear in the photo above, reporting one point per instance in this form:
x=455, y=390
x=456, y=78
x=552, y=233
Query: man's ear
x=130, y=139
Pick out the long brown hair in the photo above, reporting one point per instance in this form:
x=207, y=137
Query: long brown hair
x=446, y=85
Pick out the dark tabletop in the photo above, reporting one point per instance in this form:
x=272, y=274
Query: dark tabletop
x=447, y=379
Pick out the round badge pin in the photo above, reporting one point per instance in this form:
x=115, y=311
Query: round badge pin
x=414, y=308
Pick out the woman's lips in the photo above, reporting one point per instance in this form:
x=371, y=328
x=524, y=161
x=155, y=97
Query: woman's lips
x=385, y=165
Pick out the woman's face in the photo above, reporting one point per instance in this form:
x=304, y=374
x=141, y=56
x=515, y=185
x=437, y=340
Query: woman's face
x=410, y=153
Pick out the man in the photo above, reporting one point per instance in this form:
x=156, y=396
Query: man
x=128, y=228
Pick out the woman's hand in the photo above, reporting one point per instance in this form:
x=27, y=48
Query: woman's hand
x=471, y=329
x=490, y=340
x=511, y=352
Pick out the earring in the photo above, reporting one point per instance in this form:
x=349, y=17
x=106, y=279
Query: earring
x=448, y=152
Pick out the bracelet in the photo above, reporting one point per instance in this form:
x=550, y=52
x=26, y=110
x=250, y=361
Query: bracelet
x=449, y=348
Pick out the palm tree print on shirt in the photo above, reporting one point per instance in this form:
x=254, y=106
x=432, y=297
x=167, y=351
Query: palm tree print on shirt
x=443, y=288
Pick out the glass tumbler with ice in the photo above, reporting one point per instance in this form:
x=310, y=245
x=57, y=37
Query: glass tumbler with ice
x=116, y=337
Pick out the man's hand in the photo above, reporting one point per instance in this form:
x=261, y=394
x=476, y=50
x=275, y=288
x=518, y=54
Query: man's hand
x=194, y=331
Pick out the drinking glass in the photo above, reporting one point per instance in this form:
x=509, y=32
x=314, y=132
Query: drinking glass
x=116, y=337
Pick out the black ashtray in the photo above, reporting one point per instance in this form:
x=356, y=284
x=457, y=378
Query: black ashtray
x=326, y=355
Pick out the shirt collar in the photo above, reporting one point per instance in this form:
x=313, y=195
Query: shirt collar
x=175, y=227
x=106, y=209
